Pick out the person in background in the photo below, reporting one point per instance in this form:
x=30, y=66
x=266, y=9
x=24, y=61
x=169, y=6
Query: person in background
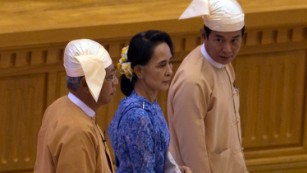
x=70, y=140
x=138, y=132
x=203, y=101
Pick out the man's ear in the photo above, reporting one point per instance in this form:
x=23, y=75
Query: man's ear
x=83, y=85
x=83, y=82
x=138, y=70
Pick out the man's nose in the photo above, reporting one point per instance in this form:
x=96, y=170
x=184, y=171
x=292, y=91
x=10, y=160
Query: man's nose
x=227, y=47
x=115, y=81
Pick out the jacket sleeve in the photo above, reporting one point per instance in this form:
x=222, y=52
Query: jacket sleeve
x=188, y=101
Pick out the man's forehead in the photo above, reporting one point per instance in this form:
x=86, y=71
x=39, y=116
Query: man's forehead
x=227, y=34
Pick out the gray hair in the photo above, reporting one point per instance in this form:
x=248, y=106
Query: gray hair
x=73, y=83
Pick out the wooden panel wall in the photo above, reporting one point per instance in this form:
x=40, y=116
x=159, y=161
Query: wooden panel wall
x=271, y=74
x=272, y=78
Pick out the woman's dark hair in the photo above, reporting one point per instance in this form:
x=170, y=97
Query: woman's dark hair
x=208, y=31
x=140, y=51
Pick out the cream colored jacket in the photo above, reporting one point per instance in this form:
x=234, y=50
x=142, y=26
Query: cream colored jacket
x=203, y=117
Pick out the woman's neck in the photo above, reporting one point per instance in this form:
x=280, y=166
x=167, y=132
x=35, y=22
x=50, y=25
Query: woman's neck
x=145, y=91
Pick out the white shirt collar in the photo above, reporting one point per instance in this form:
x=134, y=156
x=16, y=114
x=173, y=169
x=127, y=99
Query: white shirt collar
x=209, y=59
x=90, y=112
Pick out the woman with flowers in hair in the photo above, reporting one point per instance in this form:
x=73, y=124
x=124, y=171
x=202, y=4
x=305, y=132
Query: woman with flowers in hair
x=138, y=132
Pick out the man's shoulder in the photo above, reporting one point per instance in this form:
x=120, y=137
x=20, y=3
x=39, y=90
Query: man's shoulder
x=194, y=62
x=193, y=57
x=60, y=102
x=62, y=112
x=193, y=67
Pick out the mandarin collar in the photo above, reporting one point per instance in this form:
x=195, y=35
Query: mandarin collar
x=209, y=59
x=87, y=110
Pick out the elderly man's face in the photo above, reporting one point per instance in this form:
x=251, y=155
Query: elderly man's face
x=108, y=89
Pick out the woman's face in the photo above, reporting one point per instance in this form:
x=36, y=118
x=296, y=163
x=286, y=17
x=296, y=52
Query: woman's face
x=157, y=74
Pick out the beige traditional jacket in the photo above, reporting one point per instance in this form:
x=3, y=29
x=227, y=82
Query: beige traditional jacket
x=203, y=117
x=69, y=141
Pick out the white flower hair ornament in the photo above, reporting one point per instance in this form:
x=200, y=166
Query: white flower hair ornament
x=123, y=66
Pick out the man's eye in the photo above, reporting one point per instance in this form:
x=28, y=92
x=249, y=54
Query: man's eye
x=111, y=77
x=235, y=40
x=219, y=40
x=162, y=65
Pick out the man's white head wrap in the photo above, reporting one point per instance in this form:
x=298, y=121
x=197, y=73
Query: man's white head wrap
x=87, y=58
x=218, y=15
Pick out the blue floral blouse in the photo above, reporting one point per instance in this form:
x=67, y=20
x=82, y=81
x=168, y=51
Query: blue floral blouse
x=139, y=136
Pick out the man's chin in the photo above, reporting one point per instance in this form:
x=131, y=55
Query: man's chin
x=224, y=60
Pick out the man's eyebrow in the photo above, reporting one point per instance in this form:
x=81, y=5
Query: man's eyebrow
x=237, y=36
x=113, y=70
x=220, y=36
x=234, y=37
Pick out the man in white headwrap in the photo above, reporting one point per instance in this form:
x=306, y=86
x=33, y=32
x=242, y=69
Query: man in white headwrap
x=203, y=102
x=69, y=140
